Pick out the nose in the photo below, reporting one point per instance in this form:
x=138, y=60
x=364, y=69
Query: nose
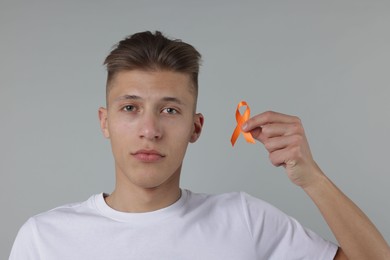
x=150, y=127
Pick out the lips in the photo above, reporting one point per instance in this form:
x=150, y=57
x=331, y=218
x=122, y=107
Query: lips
x=148, y=155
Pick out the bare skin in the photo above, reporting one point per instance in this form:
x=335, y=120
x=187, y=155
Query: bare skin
x=150, y=120
x=284, y=138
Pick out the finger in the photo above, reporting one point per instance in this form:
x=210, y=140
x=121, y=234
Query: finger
x=282, y=129
x=282, y=142
x=277, y=158
x=277, y=129
x=284, y=157
x=268, y=118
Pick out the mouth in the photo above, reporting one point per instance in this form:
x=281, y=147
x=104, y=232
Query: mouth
x=148, y=155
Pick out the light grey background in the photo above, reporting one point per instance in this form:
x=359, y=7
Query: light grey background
x=325, y=61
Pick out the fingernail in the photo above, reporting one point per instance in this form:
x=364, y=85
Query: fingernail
x=244, y=126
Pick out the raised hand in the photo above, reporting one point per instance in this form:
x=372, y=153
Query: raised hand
x=284, y=138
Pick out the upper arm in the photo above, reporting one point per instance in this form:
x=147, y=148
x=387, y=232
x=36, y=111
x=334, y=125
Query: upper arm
x=25, y=246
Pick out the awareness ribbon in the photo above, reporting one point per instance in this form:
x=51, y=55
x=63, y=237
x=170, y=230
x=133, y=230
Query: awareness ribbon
x=240, y=121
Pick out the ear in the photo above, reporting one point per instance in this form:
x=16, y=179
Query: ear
x=104, y=122
x=198, y=124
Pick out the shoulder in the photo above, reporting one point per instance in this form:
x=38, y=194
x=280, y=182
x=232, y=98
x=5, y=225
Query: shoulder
x=232, y=203
x=254, y=212
x=65, y=212
x=238, y=198
x=48, y=225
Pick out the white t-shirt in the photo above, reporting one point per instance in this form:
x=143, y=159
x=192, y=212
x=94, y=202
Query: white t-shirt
x=198, y=226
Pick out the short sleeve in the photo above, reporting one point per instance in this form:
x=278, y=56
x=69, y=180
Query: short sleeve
x=25, y=247
x=279, y=236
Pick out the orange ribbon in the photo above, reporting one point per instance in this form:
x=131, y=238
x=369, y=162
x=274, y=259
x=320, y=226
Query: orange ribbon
x=240, y=121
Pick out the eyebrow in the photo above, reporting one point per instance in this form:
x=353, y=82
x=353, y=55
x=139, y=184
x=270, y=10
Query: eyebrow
x=135, y=97
x=126, y=97
x=172, y=99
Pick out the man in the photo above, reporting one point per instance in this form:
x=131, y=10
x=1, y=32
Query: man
x=150, y=119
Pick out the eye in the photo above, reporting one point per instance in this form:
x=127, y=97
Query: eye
x=129, y=108
x=170, y=110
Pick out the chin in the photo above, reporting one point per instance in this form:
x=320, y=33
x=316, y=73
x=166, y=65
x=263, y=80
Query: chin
x=150, y=185
x=150, y=177
x=153, y=180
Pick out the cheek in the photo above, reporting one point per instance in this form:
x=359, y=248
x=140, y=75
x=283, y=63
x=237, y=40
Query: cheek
x=181, y=130
x=120, y=131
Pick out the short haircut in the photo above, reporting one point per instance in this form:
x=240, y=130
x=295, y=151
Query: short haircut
x=152, y=52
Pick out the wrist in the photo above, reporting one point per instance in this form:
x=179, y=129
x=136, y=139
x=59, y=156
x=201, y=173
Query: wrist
x=317, y=181
x=321, y=189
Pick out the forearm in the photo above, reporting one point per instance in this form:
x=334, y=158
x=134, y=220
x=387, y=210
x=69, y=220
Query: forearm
x=284, y=138
x=357, y=236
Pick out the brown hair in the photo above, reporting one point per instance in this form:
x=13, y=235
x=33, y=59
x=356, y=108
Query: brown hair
x=153, y=51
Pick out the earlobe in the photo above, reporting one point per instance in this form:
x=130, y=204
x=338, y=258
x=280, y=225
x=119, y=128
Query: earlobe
x=198, y=124
x=103, y=122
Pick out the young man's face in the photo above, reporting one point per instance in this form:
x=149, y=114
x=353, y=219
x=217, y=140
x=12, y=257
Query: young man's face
x=150, y=120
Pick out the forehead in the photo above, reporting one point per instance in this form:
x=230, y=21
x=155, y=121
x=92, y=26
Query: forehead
x=150, y=84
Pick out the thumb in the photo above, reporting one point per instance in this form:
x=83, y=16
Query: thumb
x=257, y=134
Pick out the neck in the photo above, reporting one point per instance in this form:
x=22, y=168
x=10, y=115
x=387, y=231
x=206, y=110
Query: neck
x=128, y=197
x=145, y=200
